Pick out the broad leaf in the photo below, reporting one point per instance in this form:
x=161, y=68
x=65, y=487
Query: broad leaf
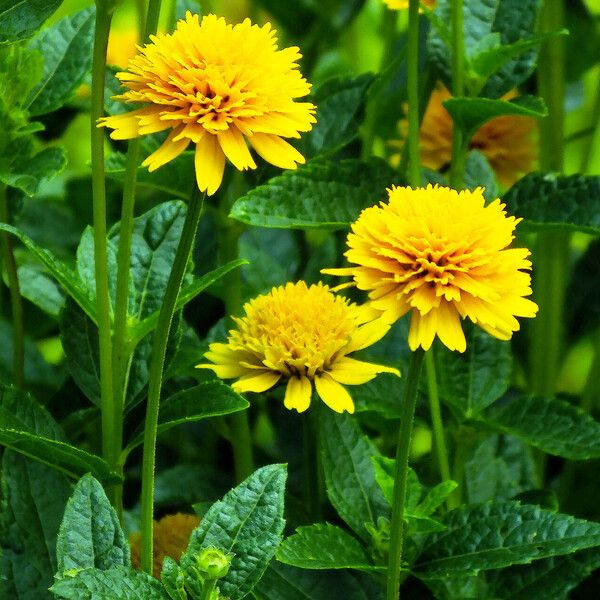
x=20, y=19
x=479, y=173
x=555, y=426
x=546, y=200
x=118, y=583
x=247, y=522
x=67, y=50
x=322, y=194
x=497, y=535
x=324, y=546
x=38, y=287
x=349, y=474
x=90, y=535
x=209, y=399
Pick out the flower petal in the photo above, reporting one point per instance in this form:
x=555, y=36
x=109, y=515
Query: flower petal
x=449, y=328
x=298, y=393
x=276, y=151
x=166, y=152
x=422, y=330
x=333, y=394
x=209, y=163
x=368, y=334
x=355, y=372
x=257, y=383
x=234, y=146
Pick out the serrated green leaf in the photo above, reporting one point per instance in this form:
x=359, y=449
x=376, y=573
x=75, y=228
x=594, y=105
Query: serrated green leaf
x=208, y=399
x=322, y=194
x=472, y=380
x=435, y=497
x=469, y=114
x=118, y=583
x=247, y=522
x=479, y=173
x=20, y=19
x=68, y=279
x=497, y=535
x=349, y=474
x=547, y=200
x=555, y=426
x=172, y=577
x=90, y=535
x=324, y=546
x=384, y=475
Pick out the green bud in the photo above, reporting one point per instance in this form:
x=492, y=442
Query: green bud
x=213, y=563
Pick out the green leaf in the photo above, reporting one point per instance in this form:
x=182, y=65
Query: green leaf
x=20, y=19
x=68, y=279
x=28, y=175
x=295, y=18
x=497, y=535
x=555, y=426
x=380, y=395
x=39, y=288
x=469, y=114
x=324, y=546
x=182, y=6
x=340, y=111
x=322, y=194
x=384, y=475
x=90, y=535
x=33, y=501
x=27, y=427
x=247, y=522
x=282, y=582
x=349, y=473
x=479, y=173
x=118, y=583
x=472, y=380
x=435, y=497
x=208, y=399
x=550, y=201
x=67, y=50
x=172, y=577
x=20, y=70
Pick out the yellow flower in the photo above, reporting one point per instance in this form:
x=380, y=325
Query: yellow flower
x=507, y=142
x=171, y=536
x=401, y=4
x=216, y=85
x=443, y=256
x=303, y=335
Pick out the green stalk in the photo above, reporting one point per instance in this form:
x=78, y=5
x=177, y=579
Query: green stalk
x=312, y=480
x=110, y=443
x=15, y=297
x=457, y=167
x=207, y=589
x=407, y=415
x=159, y=347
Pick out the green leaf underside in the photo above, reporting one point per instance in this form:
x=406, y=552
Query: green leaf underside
x=324, y=546
x=322, y=194
x=90, y=535
x=497, y=535
x=547, y=200
x=553, y=425
x=349, y=474
x=209, y=399
x=247, y=522
x=20, y=19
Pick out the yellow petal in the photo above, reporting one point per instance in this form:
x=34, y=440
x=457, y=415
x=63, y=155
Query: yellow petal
x=223, y=371
x=257, y=383
x=167, y=152
x=276, y=151
x=209, y=164
x=297, y=394
x=355, y=372
x=333, y=394
x=368, y=334
x=422, y=330
x=449, y=328
x=234, y=146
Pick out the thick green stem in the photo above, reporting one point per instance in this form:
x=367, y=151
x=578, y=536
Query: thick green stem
x=159, y=347
x=412, y=93
x=407, y=415
x=312, y=479
x=457, y=167
x=15, y=297
x=207, y=589
x=110, y=442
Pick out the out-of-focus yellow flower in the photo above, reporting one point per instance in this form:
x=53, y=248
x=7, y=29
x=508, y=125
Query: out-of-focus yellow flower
x=171, y=536
x=508, y=142
x=442, y=255
x=301, y=335
x=122, y=46
x=217, y=86
x=401, y=4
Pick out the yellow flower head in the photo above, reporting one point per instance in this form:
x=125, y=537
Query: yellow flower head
x=443, y=255
x=507, y=142
x=401, y=4
x=216, y=85
x=303, y=335
x=171, y=536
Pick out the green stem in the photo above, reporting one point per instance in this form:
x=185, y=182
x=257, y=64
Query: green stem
x=312, y=482
x=152, y=18
x=110, y=443
x=588, y=148
x=207, y=589
x=457, y=167
x=409, y=401
x=15, y=297
x=159, y=347
x=412, y=94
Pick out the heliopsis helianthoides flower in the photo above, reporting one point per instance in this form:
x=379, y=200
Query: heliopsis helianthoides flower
x=442, y=255
x=301, y=335
x=401, y=4
x=217, y=86
x=508, y=142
